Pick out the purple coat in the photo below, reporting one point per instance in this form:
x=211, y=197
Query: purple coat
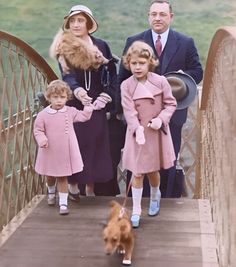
x=62, y=156
x=141, y=103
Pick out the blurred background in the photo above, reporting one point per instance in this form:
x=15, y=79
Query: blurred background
x=36, y=22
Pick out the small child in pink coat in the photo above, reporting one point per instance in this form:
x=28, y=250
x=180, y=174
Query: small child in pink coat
x=148, y=105
x=58, y=149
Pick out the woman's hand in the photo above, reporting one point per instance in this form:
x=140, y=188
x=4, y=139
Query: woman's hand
x=82, y=95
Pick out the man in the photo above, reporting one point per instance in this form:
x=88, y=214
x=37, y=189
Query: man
x=176, y=52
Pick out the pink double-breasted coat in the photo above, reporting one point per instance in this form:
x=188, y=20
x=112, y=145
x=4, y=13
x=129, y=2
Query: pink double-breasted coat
x=62, y=156
x=141, y=103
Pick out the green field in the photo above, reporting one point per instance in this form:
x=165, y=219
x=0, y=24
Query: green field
x=36, y=22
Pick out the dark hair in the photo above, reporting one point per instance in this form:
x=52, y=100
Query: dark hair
x=89, y=22
x=161, y=2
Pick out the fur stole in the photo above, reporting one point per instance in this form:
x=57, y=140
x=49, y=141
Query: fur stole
x=76, y=52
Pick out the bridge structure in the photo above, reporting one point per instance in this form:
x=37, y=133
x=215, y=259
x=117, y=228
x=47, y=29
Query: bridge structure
x=197, y=230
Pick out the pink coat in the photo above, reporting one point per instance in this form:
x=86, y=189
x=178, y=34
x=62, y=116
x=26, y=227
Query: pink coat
x=141, y=103
x=62, y=156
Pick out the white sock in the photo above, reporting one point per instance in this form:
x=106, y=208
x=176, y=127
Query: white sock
x=52, y=189
x=137, y=197
x=73, y=188
x=154, y=192
x=63, y=197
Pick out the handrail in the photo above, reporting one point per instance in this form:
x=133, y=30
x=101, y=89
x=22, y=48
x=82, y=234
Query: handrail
x=31, y=54
x=218, y=141
x=220, y=35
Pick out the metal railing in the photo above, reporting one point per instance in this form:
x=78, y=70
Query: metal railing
x=22, y=73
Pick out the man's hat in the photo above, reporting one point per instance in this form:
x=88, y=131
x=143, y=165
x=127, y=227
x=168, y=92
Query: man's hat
x=184, y=88
x=77, y=10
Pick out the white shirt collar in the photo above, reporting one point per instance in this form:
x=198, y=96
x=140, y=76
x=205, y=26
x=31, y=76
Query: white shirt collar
x=164, y=37
x=50, y=110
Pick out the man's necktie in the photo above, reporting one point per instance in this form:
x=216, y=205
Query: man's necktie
x=158, y=45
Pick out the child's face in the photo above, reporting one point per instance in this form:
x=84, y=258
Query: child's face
x=139, y=67
x=58, y=101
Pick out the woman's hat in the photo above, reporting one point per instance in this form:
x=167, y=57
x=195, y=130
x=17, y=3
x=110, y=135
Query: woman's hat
x=80, y=9
x=184, y=88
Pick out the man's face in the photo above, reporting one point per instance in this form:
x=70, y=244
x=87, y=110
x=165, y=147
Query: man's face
x=160, y=17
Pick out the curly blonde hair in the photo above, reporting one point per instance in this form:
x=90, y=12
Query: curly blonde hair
x=143, y=50
x=58, y=87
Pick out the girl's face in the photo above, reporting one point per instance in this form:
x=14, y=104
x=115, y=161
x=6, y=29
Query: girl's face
x=139, y=67
x=58, y=101
x=78, y=25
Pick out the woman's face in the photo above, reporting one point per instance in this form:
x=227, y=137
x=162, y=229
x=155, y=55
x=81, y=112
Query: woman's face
x=78, y=25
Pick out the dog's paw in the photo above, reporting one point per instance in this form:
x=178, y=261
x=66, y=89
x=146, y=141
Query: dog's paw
x=126, y=262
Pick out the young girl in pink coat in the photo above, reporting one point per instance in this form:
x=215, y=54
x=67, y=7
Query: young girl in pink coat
x=58, y=150
x=148, y=105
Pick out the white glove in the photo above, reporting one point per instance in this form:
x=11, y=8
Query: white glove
x=101, y=101
x=82, y=95
x=155, y=124
x=139, y=135
x=105, y=97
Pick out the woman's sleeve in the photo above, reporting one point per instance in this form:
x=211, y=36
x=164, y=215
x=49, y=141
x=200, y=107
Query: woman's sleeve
x=70, y=78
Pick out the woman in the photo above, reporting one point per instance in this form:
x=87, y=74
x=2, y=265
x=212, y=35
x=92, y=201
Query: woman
x=88, y=84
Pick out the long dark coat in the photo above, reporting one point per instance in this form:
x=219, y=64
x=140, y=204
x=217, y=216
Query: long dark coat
x=93, y=136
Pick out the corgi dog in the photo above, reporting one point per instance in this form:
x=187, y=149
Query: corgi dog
x=118, y=233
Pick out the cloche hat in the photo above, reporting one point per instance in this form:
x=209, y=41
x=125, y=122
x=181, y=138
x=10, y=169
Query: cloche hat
x=80, y=9
x=184, y=88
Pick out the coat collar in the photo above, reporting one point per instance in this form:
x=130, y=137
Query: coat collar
x=147, y=90
x=49, y=110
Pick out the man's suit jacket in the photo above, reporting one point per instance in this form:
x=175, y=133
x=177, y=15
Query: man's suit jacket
x=179, y=53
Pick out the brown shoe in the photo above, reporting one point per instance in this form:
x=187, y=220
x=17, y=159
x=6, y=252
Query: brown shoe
x=74, y=197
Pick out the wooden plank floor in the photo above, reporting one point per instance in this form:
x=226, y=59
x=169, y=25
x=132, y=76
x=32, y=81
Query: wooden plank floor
x=181, y=235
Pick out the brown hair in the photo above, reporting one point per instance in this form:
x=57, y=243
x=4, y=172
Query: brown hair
x=143, y=50
x=58, y=87
x=161, y=2
x=89, y=22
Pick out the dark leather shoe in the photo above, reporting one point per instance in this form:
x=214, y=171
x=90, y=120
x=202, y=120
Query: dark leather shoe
x=74, y=197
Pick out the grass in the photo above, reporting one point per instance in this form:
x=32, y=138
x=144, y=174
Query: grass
x=36, y=22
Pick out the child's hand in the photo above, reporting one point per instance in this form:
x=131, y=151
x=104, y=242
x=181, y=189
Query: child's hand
x=44, y=144
x=155, y=124
x=139, y=135
x=101, y=101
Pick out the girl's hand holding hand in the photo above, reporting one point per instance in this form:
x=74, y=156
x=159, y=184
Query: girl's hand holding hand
x=101, y=101
x=155, y=124
x=44, y=144
x=139, y=135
